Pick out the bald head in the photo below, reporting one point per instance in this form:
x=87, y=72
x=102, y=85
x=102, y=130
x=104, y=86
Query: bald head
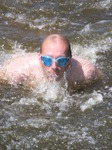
x=55, y=39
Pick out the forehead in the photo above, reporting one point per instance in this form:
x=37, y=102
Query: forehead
x=54, y=47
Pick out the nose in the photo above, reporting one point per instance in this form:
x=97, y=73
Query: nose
x=54, y=65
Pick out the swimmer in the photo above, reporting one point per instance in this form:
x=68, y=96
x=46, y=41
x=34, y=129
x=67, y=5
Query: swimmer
x=52, y=62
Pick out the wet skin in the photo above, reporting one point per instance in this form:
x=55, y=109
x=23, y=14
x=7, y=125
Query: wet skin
x=30, y=70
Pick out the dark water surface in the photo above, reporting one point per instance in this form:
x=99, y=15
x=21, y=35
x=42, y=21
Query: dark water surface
x=50, y=118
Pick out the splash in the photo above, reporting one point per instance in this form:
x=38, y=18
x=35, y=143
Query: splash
x=19, y=18
x=50, y=90
x=105, y=4
x=90, y=51
x=94, y=100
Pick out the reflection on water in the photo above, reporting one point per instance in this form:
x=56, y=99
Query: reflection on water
x=49, y=117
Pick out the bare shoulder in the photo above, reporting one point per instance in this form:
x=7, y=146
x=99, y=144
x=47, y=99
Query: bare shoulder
x=20, y=68
x=84, y=70
x=17, y=63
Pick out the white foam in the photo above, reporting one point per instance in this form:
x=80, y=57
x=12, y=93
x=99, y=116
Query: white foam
x=53, y=95
x=37, y=122
x=86, y=29
x=21, y=18
x=27, y=101
x=103, y=4
x=17, y=48
x=110, y=89
x=90, y=51
x=87, y=52
x=9, y=15
x=94, y=100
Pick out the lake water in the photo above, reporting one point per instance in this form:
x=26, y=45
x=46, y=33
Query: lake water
x=49, y=118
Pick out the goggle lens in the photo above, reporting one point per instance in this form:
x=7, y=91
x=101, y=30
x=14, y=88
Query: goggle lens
x=47, y=60
x=61, y=61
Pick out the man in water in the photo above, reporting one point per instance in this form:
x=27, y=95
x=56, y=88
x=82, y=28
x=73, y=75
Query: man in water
x=53, y=62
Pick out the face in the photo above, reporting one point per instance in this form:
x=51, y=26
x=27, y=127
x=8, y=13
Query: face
x=55, y=50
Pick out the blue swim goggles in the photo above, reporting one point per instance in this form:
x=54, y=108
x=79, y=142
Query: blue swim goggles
x=48, y=60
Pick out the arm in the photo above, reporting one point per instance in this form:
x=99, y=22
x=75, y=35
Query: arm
x=83, y=73
x=91, y=72
x=23, y=70
x=13, y=72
